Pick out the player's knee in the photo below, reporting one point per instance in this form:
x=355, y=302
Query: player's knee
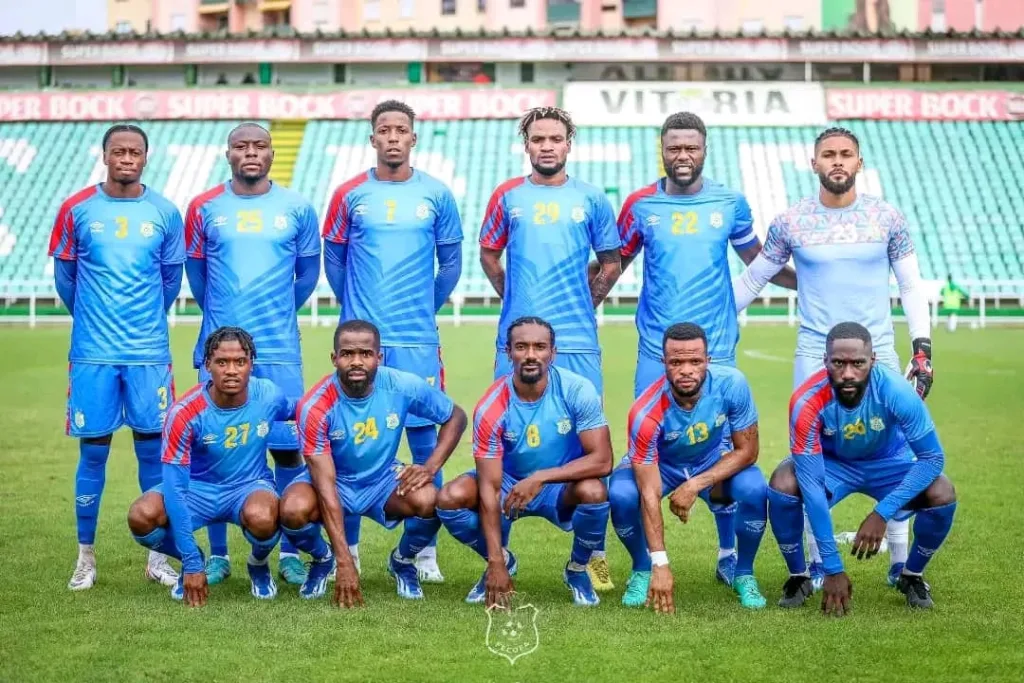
x=423, y=501
x=457, y=494
x=290, y=458
x=146, y=514
x=260, y=517
x=297, y=506
x=784, y=479
x=940, y=492
x=590, y=491
x=145, y=436
x=99, y=440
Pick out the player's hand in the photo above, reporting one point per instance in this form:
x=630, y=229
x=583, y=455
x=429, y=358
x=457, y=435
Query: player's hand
x=521, y=495
x=498, y=584
x=413, y=477
x=196, y=589
x=837, y=595
x=919, y=371
x=681, y=501
x=346, y=585
x=659, y=593
x=869, y=536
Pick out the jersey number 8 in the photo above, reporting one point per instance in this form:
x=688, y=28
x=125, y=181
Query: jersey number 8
x=532, y=436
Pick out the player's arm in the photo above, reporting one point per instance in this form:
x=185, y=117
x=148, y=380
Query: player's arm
x=195, y=252
x=644, y=431
x=592, y=428
x=742, y=416
x=64, y=250
x=744, y=240
x=432, y=404
x=809, y=463
x=606, y=243
x=493, y=238
x=65, y=275
x=176, y=462
x=172, y=256
x=448, y=238
x=631, y=239
x=488, y=453
x=284, y=408
x=335, y=234
x=916, y=423
x=307, y=261
x=765, y=265
x=905, y=267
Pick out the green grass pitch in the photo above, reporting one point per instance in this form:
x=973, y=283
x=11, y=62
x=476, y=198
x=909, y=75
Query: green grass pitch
x=126, y=629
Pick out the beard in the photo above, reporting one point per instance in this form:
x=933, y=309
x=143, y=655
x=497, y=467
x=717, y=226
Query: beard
x=845, y=399
x=695, y=175
x=837, y=187
x=358, y=386
x=680, y=394
x=531, y=375
x=548, y=171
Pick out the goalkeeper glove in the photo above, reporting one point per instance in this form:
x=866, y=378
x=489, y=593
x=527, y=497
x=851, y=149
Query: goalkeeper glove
x=919, y=371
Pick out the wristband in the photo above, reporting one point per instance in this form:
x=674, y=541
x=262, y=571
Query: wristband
x=659, y=558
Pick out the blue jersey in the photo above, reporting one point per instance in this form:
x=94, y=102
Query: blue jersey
x=120, y=246
x=527, y=437
x=686, y=267
x=842, y=258
x=362, y=435
x=251, y=244
x=549, y=232
x=661, y=432
x=222, y=446
x=392, y=230
x=888, y=418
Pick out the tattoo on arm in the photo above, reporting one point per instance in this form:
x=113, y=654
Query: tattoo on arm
x=610, y=269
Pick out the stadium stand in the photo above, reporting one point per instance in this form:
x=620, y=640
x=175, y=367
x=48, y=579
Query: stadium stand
x=969, y=226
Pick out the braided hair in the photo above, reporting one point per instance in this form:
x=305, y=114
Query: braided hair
x=226, y=334
x=554, y=113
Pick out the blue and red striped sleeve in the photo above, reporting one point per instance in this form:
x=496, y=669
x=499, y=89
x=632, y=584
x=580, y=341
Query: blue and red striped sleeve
x=494, y=229
x=313, y=414
x=489, y=422
x=805, y=409
x=644, y=424
x=179, y=428
x=63, y=243
x=336, y=221
x=195, y=226
x=630, y=230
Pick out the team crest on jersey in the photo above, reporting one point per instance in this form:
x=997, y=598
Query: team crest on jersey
x=422, y=211
x=876, y=424
x=653, y=221
x=578, y=214
x=262, y=429
x=146, y=228
x=96, y=226
x=392, y=421
x=210, y=439
x=564, y=426
x=280, y=222
x=337, y=435
x=716, y=219
x=720, y=420
x=79, y=419
x=220, y=221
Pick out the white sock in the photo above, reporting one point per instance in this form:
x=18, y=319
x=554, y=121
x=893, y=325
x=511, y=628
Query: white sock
x=284, y=555
x=911, y=573
x=354, y=550
x=812, y=545
x=253, y=561
x=428, y=553
x=504, y=553
x=575, y=567
x=725, y=552
x=598, y=555
x=898, y=536
x=86, y=550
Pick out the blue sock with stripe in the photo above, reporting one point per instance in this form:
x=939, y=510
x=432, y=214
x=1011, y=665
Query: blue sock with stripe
x=90, y=479
x=931, y=527
x=160, y=540
x=786, y=513
x=589, y=523
x=308, y=539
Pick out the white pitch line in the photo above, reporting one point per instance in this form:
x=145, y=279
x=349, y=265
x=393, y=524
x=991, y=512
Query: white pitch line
x=766, y=356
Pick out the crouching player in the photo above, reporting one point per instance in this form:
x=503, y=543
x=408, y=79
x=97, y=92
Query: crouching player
x=858, y=427
x=350, y=426
x=678, y=448
x=542, y=445
x=215, y=468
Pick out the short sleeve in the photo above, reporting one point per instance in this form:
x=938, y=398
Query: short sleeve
x=805, y=423
x=427, y=402
x=337, y=219
x=741, y=411
x=644, y=432
x=448, y=223
x=63, y=243
x=488, y=427
x=900, y=243
x=195, y=230
x=494, y=229
x=172, y=251
x=587, y=409
x=604, y=233
x=308, y=231
x=742, y=232
x=176, y=447
x=630, y=231
x=313, y=425
x=777, y=246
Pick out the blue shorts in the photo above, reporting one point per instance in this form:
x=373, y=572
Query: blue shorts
x=547, y=503
x=423, y=361
x=673, y=477
x=102, y=398
x=283, y=435
x=873, y=478
x=649, y=370
x=586, y=364
x=217, y=504
x=365, y=501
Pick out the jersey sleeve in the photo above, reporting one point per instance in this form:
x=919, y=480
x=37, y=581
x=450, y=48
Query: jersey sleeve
x=604, y=233
x=195, y=230
x=282, y=408
x=172, y=251
x=587, y=410
x=427, y=402
x=777, y=246
x=336, y=221
x=630, y=231
x=313, y=425
x=900, y=243
x=909, y=411
x=308, y=234
x=448, y=224
x=742, y=233
x=176, y=447
x=805, y=421
x=742, y=412
x=488, y=428
x=494, y=229
x=644, y=431
x=63, y=243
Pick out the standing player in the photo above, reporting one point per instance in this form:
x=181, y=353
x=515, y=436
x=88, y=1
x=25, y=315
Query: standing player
x=117, y=251
x=381, y=234
x=680, y=447
x=215, y=467
x=350, y=426
x=843, y=245
x=857, y=427
x=684, y=224
x=253, y=260
x=542, y=448
x=549, y=223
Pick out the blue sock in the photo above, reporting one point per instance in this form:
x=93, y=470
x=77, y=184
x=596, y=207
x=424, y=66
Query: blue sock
x=624, y=499
x=930, y=530
x=750, y=523
x=787, y=518
x=261, y=547
x=422, y=441
x=161, y=541
x=308, y=539
x=353, y=525
x=218, y=534
x=418, y=533
x=282, y=477
x=464, y=526
x=89, y=480
x=725, y=521
x=147, y=452
x=589, y=523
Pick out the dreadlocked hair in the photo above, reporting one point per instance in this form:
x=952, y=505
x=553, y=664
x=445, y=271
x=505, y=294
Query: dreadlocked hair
x=226, y=334
x=554, y=113
x=837, y=131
